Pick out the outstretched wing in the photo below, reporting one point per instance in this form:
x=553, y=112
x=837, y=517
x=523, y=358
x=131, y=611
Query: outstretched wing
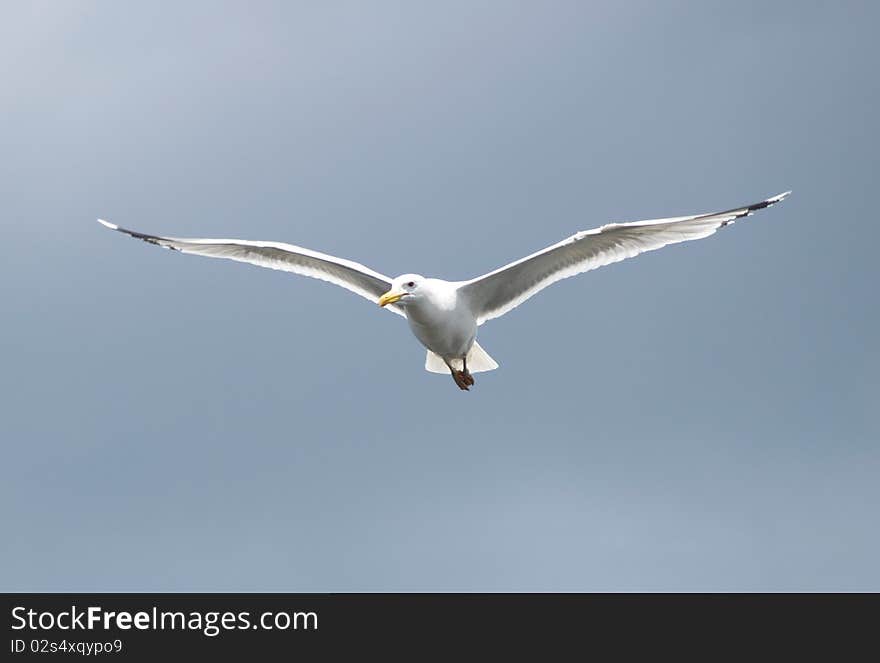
x=277, y=255
x=494, y=294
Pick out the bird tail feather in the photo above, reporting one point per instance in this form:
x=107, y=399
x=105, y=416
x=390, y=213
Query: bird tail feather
x=478, y=361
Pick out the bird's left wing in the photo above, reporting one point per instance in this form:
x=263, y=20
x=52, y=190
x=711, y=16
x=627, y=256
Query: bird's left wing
x=277, y=255
x=494, y=294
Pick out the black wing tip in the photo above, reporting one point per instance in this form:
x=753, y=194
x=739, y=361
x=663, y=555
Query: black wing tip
x=769, y=202
x=152, y=239
x=740, y=212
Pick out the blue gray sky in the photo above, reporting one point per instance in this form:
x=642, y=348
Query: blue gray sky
x=700, y=418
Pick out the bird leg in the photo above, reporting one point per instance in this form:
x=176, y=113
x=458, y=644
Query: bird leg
x=466, y=373
x=462, y=378
x=458, y=376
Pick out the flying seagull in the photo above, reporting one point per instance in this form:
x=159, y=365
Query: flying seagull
x=444, y=315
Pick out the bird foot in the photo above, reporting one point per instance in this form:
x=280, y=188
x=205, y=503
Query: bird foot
x=463, y=379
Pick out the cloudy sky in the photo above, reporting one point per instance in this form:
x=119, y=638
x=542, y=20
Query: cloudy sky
x=700, y=418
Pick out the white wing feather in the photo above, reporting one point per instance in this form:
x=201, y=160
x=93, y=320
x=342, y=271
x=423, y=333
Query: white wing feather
x=494, y=294
x=277, y=255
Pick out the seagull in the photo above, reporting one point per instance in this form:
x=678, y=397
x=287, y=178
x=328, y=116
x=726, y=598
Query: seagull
x=444, y=315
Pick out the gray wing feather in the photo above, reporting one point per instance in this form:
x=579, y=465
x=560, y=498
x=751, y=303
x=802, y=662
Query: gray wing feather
x=494, y=294
x=277, y=255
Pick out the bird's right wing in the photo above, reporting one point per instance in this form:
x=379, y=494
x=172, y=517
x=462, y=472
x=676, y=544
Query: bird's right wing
x=277, y=255
x=496, y=293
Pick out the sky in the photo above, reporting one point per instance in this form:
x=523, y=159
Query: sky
x=701, y=418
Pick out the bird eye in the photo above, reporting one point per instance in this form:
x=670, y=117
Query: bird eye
x=411, y=284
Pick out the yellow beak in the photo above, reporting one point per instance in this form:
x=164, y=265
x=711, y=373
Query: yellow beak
x=390, y=297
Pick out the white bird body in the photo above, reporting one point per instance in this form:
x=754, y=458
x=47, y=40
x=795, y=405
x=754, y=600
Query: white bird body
x=444, y=315
x=440, y=321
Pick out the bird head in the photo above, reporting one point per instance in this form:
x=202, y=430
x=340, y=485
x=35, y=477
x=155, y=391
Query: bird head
x=404, y=290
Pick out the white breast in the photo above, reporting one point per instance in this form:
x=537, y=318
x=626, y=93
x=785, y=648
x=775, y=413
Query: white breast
x=441, y=321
